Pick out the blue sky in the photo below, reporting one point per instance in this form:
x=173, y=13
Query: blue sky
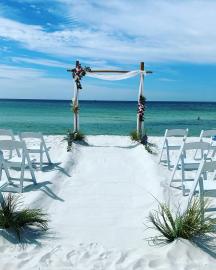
x=39, y=40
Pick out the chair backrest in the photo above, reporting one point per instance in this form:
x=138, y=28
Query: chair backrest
x=196, y=146
x=206, y=166
x=208, y=133
x=6, y=132
x=11, y=145
x=176, y=132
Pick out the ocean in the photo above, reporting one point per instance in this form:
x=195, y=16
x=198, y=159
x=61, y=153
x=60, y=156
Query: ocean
x=105, y=117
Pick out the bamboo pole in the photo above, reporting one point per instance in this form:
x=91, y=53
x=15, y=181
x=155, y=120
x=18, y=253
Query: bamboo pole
x=76, y=105
x=109, y=71
x=140, y=125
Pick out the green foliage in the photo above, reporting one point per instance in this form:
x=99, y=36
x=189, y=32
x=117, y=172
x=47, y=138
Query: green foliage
x=188, y=225
x=12, y=218
x=134, y=136
x=144, y=141
x=74, y=136
x=75, y=108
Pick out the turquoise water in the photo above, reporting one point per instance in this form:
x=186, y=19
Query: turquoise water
x=105, y=117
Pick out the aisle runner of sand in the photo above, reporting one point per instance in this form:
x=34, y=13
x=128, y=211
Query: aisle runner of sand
x=110, y=191
x=98, y=200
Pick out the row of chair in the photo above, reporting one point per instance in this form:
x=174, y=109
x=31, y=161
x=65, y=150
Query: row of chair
x=15, y=154
x=197, y=157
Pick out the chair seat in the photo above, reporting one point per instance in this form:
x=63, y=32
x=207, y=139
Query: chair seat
x=208, y=185
x=190, y=164
x=35, y=150
x=173, y=147
x=16, y=162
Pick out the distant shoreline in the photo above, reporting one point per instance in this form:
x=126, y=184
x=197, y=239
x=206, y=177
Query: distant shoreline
x=126, y=101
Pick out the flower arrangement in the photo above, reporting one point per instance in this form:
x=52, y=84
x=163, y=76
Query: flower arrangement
x=141, y=107
x=78, y=72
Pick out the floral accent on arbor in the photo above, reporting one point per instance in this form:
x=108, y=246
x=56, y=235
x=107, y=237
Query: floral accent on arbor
x=78, y=73
x=141, y=108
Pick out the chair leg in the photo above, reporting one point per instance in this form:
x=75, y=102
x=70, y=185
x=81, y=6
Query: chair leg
x=41, y=160
x=31, y=168
x=1, y=168
x=22, y=177
x=46, y=150
x=6, y=171
x=201, y=197
x=161, y=154
x=168, y=159
x=183, y=176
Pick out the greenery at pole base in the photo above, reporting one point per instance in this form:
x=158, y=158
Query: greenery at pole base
x=191, y=224
x=17, y=220
x=75, y=108
x=136, y=137
x=74, y=136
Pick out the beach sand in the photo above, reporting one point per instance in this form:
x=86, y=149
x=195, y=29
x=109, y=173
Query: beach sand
x=98, y=198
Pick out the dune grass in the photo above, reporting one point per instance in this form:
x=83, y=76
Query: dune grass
x=17, y=220
x=135, y=137
x=74, y=136
x=188, y=225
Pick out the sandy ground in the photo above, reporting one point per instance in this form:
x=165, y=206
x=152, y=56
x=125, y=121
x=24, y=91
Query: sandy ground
x=98, y=197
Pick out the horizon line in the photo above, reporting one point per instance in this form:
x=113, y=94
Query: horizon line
x=94, y=100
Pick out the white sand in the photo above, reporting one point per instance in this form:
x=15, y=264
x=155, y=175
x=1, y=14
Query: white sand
x=98, y=198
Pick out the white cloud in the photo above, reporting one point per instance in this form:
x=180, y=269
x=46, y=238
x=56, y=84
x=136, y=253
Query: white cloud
x=125, y=31
x=17, y=73
x=29, y=83
x=41, y=62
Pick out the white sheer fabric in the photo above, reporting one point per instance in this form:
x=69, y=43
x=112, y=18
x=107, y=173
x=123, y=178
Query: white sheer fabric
x=115, y=77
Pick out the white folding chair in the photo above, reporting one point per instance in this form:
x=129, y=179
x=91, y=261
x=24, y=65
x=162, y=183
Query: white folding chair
x=167, y=146
x=209, y=136
x=39, y=147
x=204, y=180
x=7, y=134
x=22, y=163
x=185, y=163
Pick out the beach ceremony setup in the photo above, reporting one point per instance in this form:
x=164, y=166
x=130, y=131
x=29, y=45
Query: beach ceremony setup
x=107, y=135
x=98, y=198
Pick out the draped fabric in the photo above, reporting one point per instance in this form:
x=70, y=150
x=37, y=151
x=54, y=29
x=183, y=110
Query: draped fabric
x=115, y=77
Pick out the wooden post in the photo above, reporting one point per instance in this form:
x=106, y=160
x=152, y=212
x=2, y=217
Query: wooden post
x=140, y=124
x=76, y=105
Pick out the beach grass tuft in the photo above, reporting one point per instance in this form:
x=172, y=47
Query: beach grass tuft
x=17, y=220
x=74, y=136
x=188, y=225
x=135, y=136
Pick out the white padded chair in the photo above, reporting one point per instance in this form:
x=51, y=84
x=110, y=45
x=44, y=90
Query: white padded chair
x=167, y=146
x=39, y=147
x=7, y=134
x=185, y=163
x=21, y=163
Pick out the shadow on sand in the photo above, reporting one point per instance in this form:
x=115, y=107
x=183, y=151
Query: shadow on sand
x=207, y=244
x=43, y=186
x=55, y=167
x=31, y=236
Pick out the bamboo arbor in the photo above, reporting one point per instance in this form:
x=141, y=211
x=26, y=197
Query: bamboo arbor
x=78, y=72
